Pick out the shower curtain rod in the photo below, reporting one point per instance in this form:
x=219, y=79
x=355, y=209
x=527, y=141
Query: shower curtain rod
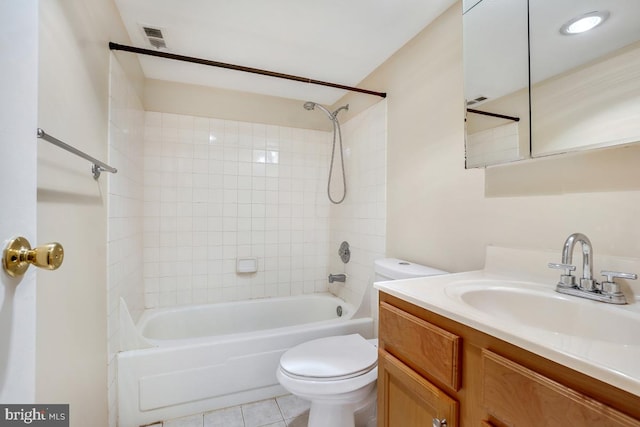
x=500, y=116
x=159, y=54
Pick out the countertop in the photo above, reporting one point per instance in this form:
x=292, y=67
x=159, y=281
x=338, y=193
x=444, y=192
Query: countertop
x=614, y=363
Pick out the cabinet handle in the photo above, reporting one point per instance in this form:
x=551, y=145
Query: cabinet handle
x=439, y=423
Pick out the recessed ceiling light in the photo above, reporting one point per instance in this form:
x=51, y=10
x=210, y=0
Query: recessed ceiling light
x=583, y=23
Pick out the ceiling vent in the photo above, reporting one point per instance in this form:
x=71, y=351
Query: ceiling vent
x=476, y=100
x=154, y=36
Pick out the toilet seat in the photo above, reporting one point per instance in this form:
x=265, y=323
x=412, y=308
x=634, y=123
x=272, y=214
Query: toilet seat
x=330, y=359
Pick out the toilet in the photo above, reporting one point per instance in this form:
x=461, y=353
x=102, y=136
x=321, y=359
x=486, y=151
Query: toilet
x=338, y=374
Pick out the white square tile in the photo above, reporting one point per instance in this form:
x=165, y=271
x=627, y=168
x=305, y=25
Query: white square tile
x=294, y=208
x=153, y=119
x=261, y=413
x=292, y=406
x=229, y=417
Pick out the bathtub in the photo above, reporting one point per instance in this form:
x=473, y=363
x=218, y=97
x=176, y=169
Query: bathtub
x=207, y=357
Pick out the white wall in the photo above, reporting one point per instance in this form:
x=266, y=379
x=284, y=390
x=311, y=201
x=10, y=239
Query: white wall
x=204, y=101
x=216, y=190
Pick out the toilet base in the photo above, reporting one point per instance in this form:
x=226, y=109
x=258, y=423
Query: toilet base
x=325, y=414
x=336, y=413
x=367, y=414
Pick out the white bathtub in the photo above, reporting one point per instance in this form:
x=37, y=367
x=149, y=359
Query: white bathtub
x=212, y=356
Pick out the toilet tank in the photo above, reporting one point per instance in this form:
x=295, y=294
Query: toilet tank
x=395, y=269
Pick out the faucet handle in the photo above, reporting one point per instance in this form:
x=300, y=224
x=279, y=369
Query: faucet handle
x=566, y=279
x=610, y=275
x=567, y=267
x=609, y=286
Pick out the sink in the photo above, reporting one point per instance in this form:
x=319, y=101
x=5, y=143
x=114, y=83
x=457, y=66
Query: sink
x=540, y=307
x=514, y=299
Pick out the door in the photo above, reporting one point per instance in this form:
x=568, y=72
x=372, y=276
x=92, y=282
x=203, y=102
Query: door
x=18, y=124
x=406, y=399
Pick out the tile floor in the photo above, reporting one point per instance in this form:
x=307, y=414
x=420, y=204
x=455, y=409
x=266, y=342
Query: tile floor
x=283, y=411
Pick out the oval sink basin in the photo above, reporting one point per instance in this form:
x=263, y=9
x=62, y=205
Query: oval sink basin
x=541, y=307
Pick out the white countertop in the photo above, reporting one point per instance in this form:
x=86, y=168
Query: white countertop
x=617, y=364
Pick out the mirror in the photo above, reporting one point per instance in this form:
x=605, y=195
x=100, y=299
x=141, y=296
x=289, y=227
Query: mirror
x=577, y=92
x=496, y=81
x=585, y=87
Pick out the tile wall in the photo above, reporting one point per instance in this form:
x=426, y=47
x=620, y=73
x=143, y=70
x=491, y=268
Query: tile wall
x=125, y=210
x=361, y=218
x=496, y=145
x=216, y=190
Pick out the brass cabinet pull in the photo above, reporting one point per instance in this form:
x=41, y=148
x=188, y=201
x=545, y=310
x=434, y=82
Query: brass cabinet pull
x=18, y=255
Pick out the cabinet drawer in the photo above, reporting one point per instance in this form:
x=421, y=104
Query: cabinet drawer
x=428, y=349
x=518, y=396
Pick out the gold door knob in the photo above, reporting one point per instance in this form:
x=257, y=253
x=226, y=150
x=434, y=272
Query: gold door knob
x=18, y=255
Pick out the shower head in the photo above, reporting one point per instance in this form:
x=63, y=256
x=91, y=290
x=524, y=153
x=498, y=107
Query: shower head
x=312, y=105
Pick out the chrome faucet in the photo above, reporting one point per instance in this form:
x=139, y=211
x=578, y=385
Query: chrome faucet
x=337, y=278
x=587, y=282
x=607, y=291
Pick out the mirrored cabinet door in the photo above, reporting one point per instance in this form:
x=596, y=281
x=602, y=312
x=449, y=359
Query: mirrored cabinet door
x=585, y=74
x=496, y=81
x=565, y=73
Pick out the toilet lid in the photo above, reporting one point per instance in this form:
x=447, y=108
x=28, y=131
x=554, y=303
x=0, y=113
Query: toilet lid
x=334, y=358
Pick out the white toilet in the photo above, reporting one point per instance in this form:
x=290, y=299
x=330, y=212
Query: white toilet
x=338, y=374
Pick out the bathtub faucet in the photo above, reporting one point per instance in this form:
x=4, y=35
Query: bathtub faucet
x=337, y=278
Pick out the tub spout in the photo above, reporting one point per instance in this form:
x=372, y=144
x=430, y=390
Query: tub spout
x=337, y=278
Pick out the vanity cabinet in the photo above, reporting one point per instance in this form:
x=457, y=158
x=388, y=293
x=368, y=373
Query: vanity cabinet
x=415, y=355
x=432, y=368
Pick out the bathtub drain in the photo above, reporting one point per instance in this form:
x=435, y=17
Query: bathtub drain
x=339, y=311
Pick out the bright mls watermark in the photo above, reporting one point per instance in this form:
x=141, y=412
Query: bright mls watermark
x=34, y=415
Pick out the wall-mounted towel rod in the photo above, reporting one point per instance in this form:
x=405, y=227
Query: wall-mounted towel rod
x=97, y=167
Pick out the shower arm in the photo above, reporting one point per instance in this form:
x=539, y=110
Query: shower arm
x=332, y=116
x=344, y=107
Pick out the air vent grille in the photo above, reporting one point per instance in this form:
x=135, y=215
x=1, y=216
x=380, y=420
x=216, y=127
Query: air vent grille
x=157, y=43
x=476, y=100
x=153, y=32
x=154, y=36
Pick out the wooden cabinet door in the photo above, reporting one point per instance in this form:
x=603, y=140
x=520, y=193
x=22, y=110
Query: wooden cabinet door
x=521, y=397
x=405, y=399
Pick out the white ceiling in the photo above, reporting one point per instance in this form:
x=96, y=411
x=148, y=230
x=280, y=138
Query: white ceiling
x=330, y=40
